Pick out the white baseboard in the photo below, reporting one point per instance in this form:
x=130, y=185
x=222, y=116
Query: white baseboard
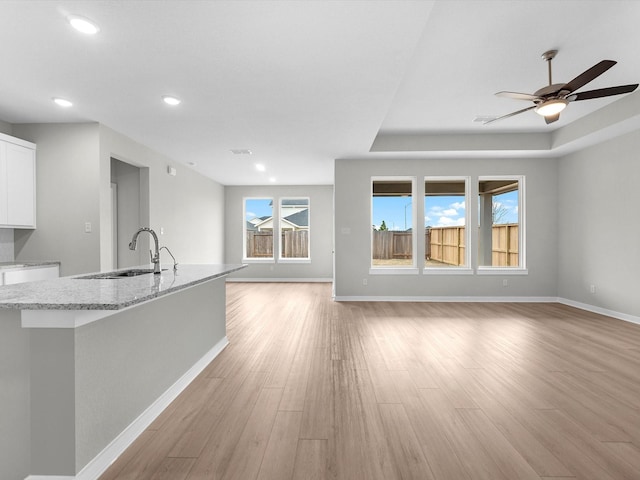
x=446, y=299
x=602, y=311
x=49, y=477
x=111, y=452
x=280, y=280
x=582, y=306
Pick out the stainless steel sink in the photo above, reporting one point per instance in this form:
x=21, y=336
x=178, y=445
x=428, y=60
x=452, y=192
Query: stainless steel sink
x=134, y=272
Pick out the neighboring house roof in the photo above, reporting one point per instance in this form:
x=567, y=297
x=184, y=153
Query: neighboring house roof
x=301, y=218
x=251, y=227
x=295, y=201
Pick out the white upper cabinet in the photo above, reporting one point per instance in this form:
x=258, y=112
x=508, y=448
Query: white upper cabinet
x=17, y=183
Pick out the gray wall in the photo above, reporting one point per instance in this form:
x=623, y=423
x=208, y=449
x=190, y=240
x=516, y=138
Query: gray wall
x=6, y=128
x=353, y=212
x=67, y=196
x=321, y=238
x=127, y=179
x=599, y=230
x=188, y=206
x=73, y=187
x=6, y=245
x=15, y=435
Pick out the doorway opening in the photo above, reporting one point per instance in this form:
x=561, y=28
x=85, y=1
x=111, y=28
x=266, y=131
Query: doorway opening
x=130, y=211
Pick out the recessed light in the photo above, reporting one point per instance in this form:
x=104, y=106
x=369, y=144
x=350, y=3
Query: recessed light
x=83, y=24
x=62, y=102
x=272, y=179
x=169, y=100
x=260, y=167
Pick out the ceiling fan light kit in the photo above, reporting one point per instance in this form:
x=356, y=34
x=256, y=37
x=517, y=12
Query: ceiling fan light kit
x=552, y=99
x=551, y=107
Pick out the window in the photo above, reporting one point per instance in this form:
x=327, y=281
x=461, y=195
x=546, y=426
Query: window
x=445, y=221
x=258, y=229
x=294, y=228
x=393, y=245
x=501, y=222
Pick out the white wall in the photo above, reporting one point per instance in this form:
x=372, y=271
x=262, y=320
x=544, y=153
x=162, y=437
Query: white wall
x=321, y=237
x=353, y=215
x=599, y=230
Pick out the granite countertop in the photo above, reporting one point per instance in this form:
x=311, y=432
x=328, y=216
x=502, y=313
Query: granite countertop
x=86, y=292
x=10, y=265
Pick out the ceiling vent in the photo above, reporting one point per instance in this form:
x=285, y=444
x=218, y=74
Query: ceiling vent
x=240, y=151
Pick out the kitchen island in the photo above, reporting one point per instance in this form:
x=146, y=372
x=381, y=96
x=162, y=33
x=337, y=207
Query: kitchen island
x=87, y=363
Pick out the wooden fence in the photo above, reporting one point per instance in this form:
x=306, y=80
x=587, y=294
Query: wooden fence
x=259, y=244
x=293, y=244
x=504, y=245
x=446, y=245
x=390, y=244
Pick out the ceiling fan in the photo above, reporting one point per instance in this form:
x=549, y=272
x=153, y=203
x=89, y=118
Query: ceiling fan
x=549, y=101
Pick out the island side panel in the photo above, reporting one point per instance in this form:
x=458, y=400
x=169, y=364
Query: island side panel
x=15, y=437
x=52, y=402
x=126, y=361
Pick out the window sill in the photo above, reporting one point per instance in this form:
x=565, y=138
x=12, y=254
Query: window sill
x=393, y=271
x=258, y=260
x=294, y=260
x=502, y=271
x=447, y=271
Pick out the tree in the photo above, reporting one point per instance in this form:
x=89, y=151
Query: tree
x=498, y=213
x=383, y=227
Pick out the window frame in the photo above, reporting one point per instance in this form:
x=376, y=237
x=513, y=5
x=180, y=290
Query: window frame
x=521, y=269
x=282, y=259
x=395, y=270
x=246, y=259
x=467, y=268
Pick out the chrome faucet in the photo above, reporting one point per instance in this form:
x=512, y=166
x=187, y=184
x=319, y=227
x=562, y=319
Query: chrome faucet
x=155, y=258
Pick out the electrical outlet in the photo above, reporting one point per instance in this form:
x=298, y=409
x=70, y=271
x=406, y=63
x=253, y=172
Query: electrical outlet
x=505, y=283
x=592, y=289
x=365, y=282
x=87, y=227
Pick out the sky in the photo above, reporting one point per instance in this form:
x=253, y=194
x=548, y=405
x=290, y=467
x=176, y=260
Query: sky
x=439, y=211
x=259, y=207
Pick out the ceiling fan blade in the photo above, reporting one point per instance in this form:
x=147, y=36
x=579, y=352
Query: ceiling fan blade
x=518, y=96
x=552, y=118
x=588, y=75
x=509, y=115
x=602, y=92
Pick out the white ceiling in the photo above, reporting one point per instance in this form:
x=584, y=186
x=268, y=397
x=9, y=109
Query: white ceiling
x=301, y=83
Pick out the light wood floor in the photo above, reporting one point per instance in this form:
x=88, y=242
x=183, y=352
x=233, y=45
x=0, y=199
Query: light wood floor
x=314, y=389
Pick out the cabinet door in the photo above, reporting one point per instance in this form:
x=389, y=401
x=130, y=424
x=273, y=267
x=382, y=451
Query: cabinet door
x=21, y=169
